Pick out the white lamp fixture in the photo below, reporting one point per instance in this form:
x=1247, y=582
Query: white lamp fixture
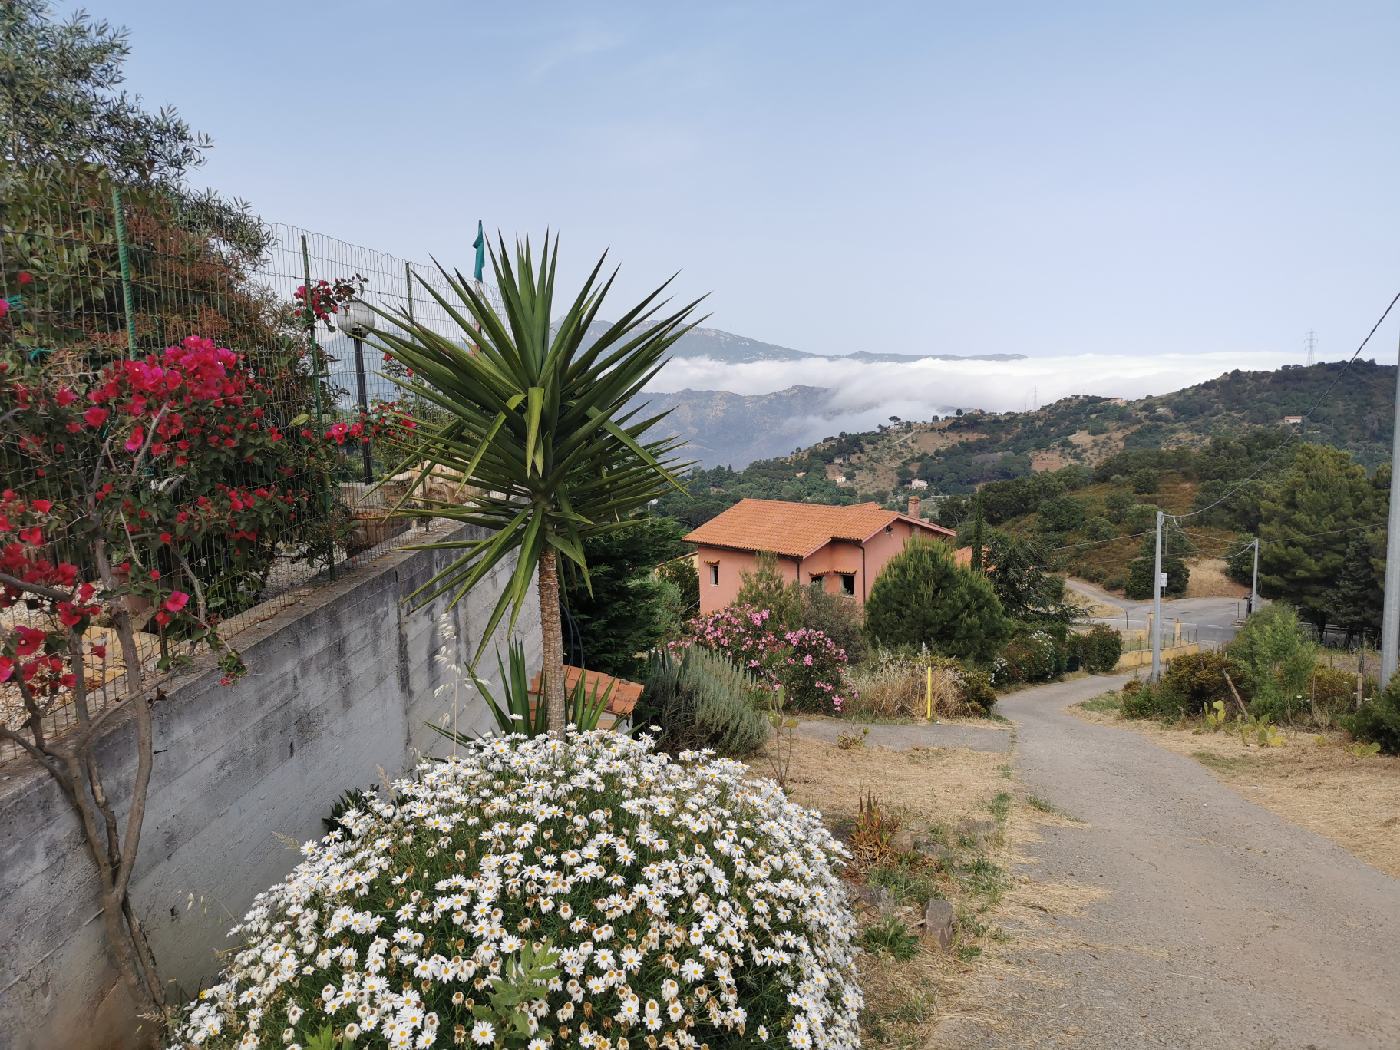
x=356, y=319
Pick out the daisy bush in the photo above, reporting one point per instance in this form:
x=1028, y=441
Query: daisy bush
x=575, y=891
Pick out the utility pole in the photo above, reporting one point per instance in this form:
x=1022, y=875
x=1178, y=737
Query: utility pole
x=1157, y=604
x=1254, y=581
x=1390, y=619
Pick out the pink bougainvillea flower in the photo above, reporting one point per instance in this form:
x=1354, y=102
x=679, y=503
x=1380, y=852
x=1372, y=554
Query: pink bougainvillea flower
x=43, y=506
x=4, y=307
x=25, y=277
x=137, y=439
x=7, y=668
x=95, y=417
x=177, y=601
x=65, y=397
x=33, y=536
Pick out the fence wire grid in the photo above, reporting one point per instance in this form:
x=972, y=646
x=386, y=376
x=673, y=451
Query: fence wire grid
x=92, y=276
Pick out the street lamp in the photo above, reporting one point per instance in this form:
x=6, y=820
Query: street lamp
x=356, y=320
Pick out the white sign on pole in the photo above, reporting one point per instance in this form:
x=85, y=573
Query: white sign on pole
x=1162, y=580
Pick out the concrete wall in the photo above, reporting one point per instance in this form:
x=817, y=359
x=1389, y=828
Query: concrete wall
x=338, y=689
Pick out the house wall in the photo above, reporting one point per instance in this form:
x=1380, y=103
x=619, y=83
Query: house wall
x=732, y=567
x=339, y=689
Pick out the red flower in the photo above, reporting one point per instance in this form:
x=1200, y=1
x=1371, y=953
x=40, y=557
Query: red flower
x=69, y=614
x=7, y=668
x=65, y=397
x=177, y=601
x=137, y=439
x=95, y=417
x=99, y=651
x=43, y=506
x=29, y=640
x=32, y=536
x=25, y=277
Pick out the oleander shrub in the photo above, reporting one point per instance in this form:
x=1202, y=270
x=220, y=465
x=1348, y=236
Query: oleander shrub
x=1098, y=649
x=574, y=891
x=700, y=700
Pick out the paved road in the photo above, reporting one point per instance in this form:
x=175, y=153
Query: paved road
x=1211, y=619
x=1222, y=926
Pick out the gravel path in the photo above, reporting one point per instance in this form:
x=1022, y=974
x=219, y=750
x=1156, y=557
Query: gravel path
x=1222, y=925
x=907, y=737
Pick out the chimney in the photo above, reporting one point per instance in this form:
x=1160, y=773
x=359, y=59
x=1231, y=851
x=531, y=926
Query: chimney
x=914, y=504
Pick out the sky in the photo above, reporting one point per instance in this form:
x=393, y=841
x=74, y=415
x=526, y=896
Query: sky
x=1120, y=179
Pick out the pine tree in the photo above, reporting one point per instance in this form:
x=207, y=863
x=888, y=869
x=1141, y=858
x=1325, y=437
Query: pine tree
x=923, y=598
x=1354, y=602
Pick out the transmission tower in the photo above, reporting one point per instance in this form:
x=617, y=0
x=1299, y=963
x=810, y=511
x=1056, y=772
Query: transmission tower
x=1312, y=346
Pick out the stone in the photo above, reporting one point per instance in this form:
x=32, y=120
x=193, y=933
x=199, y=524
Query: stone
x=940, y=923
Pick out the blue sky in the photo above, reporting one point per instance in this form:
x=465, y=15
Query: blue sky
x=1048, y=179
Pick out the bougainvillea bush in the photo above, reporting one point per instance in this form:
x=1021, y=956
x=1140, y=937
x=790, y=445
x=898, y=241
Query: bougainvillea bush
x=574, y=891
x=805, y=662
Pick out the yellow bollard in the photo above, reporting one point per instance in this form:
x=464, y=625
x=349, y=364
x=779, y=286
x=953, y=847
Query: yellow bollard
x=928, y=693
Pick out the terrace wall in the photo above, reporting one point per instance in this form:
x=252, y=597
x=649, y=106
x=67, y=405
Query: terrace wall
x=339, y=689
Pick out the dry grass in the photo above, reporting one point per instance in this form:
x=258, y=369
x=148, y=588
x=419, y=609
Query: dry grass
x=952, y=791
x=1208, y=580
x=1315, y=781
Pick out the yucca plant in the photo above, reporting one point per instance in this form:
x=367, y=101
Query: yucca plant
x=536, y=418
x=513, y=713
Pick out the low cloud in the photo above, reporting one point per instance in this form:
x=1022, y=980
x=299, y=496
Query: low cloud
x=865, y=393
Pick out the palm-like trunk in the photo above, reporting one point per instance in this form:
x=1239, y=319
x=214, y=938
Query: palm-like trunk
x=552, y=657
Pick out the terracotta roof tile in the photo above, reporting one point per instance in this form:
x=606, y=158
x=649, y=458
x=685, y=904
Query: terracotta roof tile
x=622, y=698
x=798, y=529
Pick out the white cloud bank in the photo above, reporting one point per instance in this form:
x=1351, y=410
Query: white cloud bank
x=924, y=387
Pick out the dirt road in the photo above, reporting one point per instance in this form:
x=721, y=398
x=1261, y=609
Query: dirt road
x=1220, y=925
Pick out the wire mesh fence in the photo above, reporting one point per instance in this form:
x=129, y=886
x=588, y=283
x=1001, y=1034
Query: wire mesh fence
x=189, y=412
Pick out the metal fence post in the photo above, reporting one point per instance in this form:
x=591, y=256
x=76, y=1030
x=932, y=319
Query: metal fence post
x=124, y=261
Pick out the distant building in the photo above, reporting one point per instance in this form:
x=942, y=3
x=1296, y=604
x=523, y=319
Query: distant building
x=841, y=479
x=1293, y=421
x=839, y=549
x=918, y=483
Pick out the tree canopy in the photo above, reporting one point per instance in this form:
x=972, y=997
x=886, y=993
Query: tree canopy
x=923, y=598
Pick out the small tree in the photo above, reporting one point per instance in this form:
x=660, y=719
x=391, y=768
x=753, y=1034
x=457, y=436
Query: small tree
x=1274, y=661
x=538, y=416
x=923, y=598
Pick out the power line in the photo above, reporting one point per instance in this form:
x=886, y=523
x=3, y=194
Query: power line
x=1305, y=417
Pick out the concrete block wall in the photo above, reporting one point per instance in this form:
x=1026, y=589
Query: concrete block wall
x=338, y=691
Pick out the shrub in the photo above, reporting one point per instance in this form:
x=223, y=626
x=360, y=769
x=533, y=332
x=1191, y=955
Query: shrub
x=1378, y=720
x=1150, y=700
x=922, y=598
x=472, y=903
x=1098, y=649
x=1198, y=679
x=893, y=684
x=701, y=700
x=1033, y=656
x=794, y=606
x=1331, y=694
x=804, y=662
x=1275, y=662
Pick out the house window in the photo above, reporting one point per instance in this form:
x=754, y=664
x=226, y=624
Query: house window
x=848, y=583
x=714, y=573
x=818, y=582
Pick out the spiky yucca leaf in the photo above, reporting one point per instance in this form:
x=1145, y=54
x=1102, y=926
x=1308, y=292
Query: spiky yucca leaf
x=535, y=420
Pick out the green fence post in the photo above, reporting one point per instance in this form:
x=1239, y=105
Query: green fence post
x=329, y=500
x=124, y=259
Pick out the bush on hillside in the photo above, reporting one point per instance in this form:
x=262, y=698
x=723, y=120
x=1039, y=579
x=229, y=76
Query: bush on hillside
x=551, y=890
x=1159, y=701
x=1378, y=720
x=894, y=684
x=1098, y=649
x=1331, y=695
x=923, y=599
x=1199, y=679
x=701, y=700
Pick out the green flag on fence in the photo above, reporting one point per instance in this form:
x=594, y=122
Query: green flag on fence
x=480, y=245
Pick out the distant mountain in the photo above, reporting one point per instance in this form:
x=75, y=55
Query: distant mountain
x=1348, y=407
x=734, y=349
x=726, y=429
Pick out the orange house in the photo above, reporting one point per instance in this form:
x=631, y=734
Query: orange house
x=839, y=549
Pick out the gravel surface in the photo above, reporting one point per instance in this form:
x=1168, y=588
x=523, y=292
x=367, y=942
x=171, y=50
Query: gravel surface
x=905, y=737
x=1221, y=925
